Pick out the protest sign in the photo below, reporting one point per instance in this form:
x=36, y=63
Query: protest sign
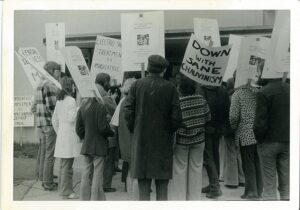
x=107, y=58
x=55, y=39
x=142, y=35
x=32, y=74
x=80, y=72
x=32, y=56
x=278, y=57
x=204, y=64
x=235, y=41
x=253, y=53
x=23, y=117
x=207, y=30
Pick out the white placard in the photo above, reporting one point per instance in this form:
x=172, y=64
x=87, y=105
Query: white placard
x=23, y=117
x=279, y=51
x=32, y=74
x=204, y=64
x=55, y=40
x=235, y=41
x=208, y=31
x=33, y=57
x=253, y=52
x=80, y=72
x=142, y=35
x=107, y=58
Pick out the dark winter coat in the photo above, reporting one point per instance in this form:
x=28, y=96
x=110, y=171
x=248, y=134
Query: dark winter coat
x=153, y=115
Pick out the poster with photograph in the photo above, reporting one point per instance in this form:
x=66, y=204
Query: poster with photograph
x=23, y=117
x=203, y=64
x=252, y=59
x=55, y=40
x=107, y=58
x=32, y=56
x=278, y=60
x=208, y=31
x=80, y=72
x=32, y=74
x=235, y=41
x=142, y=35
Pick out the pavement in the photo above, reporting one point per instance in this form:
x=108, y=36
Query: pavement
x=28, y=189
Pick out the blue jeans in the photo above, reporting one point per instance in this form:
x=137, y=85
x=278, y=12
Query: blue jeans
x=48, y=140
x=275, y=159
x=66, y=176
x=91, y=184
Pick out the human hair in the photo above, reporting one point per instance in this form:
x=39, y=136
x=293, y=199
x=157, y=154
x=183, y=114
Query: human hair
x=127, y=84
x=187, y=86
x=51, y=66
x=102, y=79
x=66, y=88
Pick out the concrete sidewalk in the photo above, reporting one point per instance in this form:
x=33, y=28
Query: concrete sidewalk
x=31, y=190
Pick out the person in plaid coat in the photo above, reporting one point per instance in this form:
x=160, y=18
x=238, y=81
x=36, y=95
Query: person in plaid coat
x=43, y=107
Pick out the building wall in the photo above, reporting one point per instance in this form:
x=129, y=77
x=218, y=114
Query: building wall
x=29, y=31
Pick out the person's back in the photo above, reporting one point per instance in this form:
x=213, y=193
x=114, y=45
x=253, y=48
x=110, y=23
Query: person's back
x=93, y=128
x=273, y=116
x=153, y=114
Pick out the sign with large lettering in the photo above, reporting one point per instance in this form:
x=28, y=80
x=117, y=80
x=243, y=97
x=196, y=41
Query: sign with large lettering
x=55, y=39
x=204, y=64
x=32, y=74
x=80, y=72
x=235, y=41
x=107, y=58
x=32, y=56
x=142, y=35
x=207, y=30
x=253, y=54
x=23, y=117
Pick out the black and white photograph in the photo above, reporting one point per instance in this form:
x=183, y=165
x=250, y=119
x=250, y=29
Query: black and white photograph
x=161, y=131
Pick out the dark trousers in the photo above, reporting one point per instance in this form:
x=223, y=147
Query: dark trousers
x=252, y=170
x=212, y=161
x=161, y=189
x=275, y=160
x=109, y=167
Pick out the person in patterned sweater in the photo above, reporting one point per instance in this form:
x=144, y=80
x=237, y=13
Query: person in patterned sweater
x=190, y=141
x=241, y=116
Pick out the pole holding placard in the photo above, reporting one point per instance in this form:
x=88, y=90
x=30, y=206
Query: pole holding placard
x=284, y=77
x=143, y=69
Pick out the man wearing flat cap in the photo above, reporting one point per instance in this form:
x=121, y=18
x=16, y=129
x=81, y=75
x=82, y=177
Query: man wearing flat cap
x=153, y=115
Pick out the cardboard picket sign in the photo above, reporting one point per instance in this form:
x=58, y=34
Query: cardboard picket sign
x=142, y=35
x=32, y=56
x=23, y=117
x=203, y=64
x=207, y=30
x=32, y=74
x=55, y=39
x=253, y=53
x=235, y=41
x=80, y=72
x=278, y=57
x=107, y=58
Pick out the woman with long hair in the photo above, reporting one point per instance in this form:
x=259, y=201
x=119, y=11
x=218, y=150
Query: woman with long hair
x=67, y=145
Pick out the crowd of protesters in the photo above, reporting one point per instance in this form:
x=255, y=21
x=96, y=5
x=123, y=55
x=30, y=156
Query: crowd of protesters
x=165, y=131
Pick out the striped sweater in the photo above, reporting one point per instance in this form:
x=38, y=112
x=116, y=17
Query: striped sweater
x=195, y=115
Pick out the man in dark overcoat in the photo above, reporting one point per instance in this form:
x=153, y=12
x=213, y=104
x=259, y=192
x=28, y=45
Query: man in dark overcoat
x=153, y=115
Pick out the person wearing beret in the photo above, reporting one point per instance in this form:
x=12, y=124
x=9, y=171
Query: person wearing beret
x=152, y=113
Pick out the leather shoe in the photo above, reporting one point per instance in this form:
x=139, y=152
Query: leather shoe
x=108, y=190
x=205, y=189
x=231, y=186
x=214, y=195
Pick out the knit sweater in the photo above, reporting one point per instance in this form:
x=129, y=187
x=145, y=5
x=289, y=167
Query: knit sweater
x=195, y=114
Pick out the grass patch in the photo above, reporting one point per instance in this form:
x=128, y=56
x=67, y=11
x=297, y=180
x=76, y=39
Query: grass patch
x=28, y=150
